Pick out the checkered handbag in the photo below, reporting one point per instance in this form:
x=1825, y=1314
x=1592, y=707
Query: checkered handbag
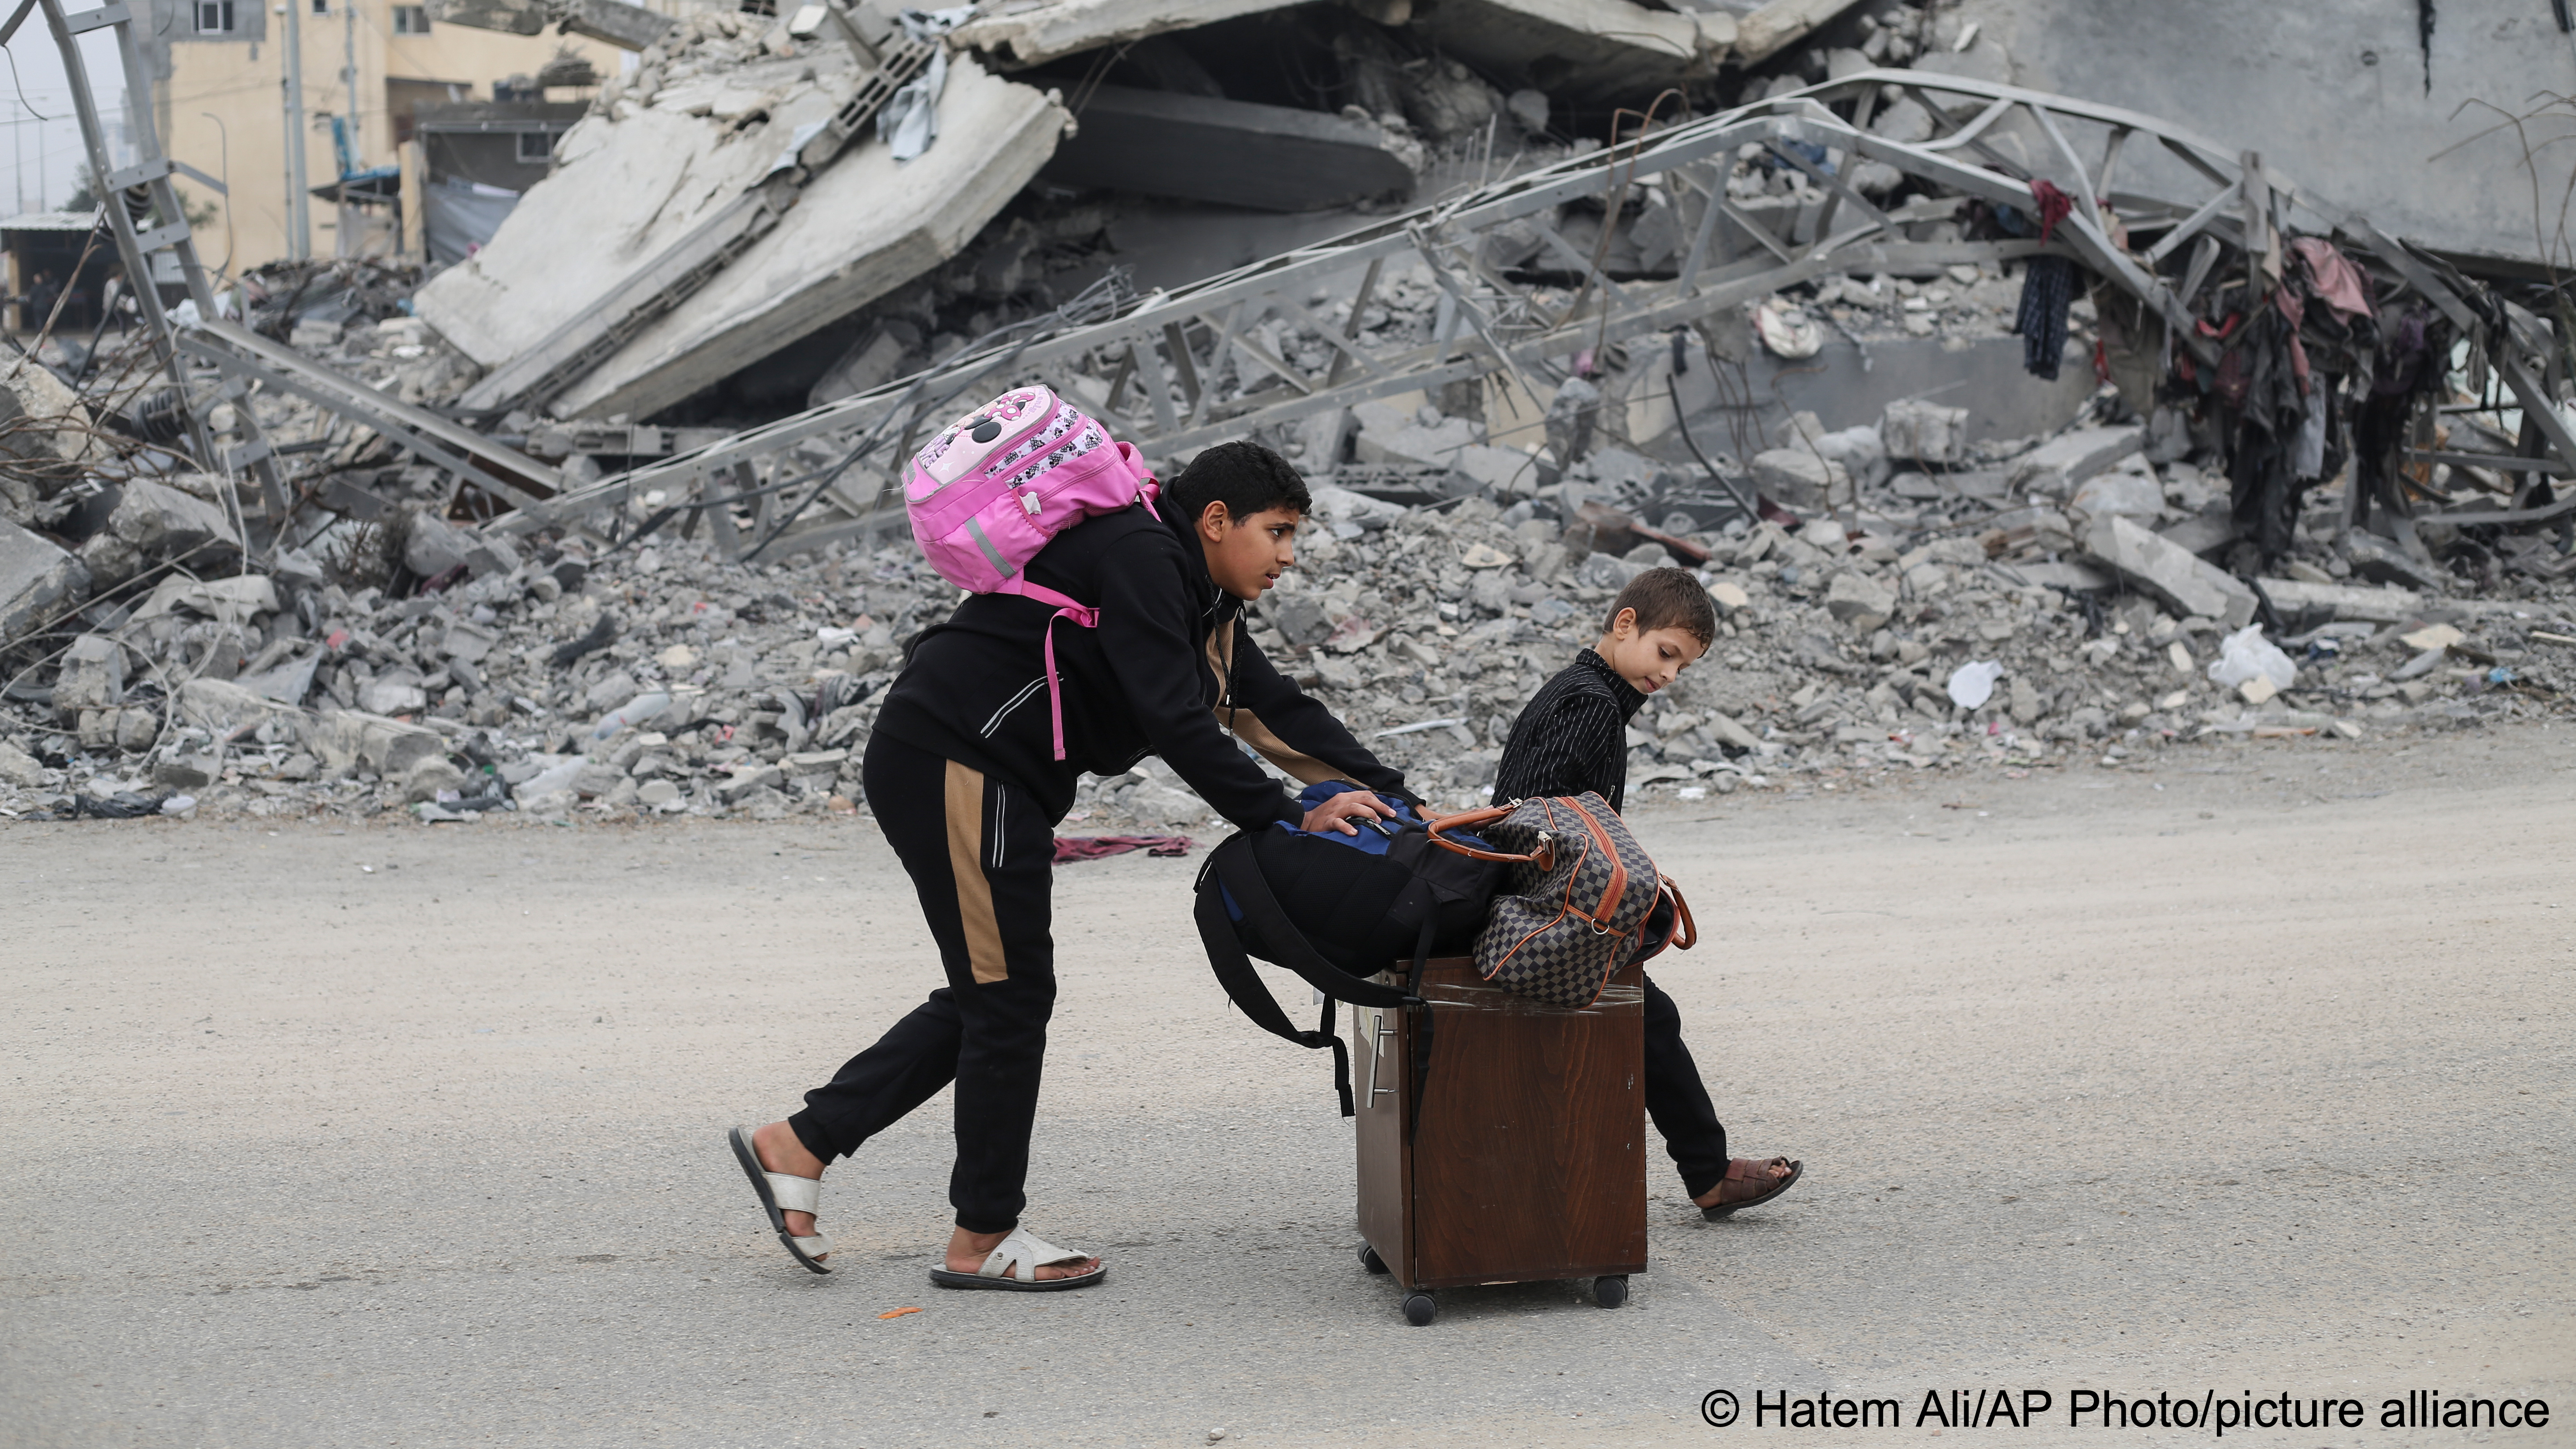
x=1576, y=902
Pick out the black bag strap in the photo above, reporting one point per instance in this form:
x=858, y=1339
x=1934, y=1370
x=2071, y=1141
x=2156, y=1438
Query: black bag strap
x=1231, y=864
x=1243, y=986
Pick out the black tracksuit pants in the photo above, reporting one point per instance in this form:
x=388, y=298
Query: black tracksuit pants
x=981, y=853
x=1677, y=1100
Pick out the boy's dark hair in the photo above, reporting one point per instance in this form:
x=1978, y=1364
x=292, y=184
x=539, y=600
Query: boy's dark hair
x=1666, y=598
x=1246, y=477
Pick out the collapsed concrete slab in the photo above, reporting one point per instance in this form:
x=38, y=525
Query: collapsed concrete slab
x=2182, y=581
x=2385, y=563
x=1799, y=477
x=1203, y=148
x=1580, y=49
x=44, y=427
x=2055, y=467
x=1782, y=23
x=628, y=27
x=93, y=676
x=1846, y=385
x=36, y=581
x=152, y=522
x=634, y=184
x=2304, y=603
x=1585, y=50
x=347, y=740
x=510, y=17
x=1032, y=32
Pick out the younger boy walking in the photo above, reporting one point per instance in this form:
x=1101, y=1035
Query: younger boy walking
x=1573, y=737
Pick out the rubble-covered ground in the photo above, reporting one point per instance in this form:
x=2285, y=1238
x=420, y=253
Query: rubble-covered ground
x=565, y=679
x=1904, y=599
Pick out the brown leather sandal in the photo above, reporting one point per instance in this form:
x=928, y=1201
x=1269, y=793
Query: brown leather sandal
x=1748, y=1173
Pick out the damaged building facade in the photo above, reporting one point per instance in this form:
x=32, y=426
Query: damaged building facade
x=2006, y=427
x=372, y=71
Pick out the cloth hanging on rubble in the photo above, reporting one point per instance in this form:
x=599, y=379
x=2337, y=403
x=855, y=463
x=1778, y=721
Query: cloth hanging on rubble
x=909, y=120
x=2402, y=351
x=1071, y=848
x=2406, y=340
x=2308, y=458
x=2293, y=307
x=2333, y=278
x=2047, y=290
x=2261, y=468
x=2054, y=206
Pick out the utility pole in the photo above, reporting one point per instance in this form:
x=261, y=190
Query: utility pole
x=299, y=220
x=349, y=69
x=347, y=230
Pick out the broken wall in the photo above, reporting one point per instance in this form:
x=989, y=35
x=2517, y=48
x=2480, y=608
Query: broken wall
x=2348, y=97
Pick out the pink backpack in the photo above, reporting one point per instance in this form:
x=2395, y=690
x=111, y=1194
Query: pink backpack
x=999, y=484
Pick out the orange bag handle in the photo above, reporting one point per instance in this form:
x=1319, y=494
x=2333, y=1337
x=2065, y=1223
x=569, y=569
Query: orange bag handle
x=1686, y=932
x=1468, y=820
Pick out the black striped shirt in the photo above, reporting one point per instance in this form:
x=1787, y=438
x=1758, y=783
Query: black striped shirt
x=1572, y=736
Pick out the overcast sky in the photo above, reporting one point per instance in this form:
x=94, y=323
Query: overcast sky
x=43, y=153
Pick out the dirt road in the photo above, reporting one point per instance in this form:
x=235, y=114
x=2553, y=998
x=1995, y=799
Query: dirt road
x=2250, y=1072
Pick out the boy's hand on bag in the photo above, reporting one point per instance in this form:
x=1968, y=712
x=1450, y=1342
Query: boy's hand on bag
x=1337, y=811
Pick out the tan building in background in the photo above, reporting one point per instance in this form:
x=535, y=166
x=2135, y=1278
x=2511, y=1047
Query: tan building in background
x=373, y=66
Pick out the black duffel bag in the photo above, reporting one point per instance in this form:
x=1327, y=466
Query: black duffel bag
x=1337, y=909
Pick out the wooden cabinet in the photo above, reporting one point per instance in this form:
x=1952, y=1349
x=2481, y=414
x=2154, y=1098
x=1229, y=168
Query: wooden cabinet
x=1528, y=1158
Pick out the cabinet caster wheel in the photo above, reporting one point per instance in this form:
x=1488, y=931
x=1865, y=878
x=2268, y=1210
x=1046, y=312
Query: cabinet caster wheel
x=1610, y=1292
x=1420, y=1309
x=1370, y=1260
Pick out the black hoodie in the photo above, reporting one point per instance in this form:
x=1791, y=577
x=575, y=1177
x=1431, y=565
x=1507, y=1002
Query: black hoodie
x=1169, y=671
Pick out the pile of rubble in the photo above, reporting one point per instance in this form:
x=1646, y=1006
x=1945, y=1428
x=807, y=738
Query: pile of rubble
x=2042, y=605
x=1785, y=294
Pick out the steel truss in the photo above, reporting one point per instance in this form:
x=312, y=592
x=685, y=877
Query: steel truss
x=146, y=216
x=1171, y=347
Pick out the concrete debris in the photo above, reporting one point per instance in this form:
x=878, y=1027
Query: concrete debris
x=2053, y=469
x=1787, y=326
x=2186, y=584
x=689, y=139
x=41, y=419
x=434, y=548
x=1588, y=50
x=2307, y=605
x=92, y=677
x=1234, y=153
x=629, y=27
x=698, y=126
x=510, y=17
x=664, y=679
x=1800, y=477
x=1924, y=433
x=2384, y=563
x=2119, y=492
x=149, y=521
x=37, y=579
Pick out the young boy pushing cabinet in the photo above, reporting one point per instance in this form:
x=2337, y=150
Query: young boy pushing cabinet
x=996, y=715
x=1573, y=737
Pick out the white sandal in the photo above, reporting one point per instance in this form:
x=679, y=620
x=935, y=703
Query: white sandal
x=1013, y=1267
x=780, y=1194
